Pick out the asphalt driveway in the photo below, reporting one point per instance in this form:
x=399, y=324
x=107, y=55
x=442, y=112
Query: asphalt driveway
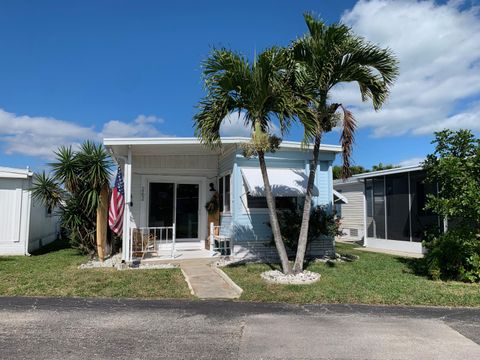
x=43, y=328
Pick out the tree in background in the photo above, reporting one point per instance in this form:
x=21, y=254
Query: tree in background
x=326, y=56
x=358, y=169
x=382, y=166
x=78, y=188
x=262, y=92
x=455, y=167
x=354, y=170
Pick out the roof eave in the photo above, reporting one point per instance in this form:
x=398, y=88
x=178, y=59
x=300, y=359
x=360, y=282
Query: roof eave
x=196, y=141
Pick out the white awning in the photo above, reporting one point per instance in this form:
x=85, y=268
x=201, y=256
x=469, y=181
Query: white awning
x=338, y=198
x=284, y=182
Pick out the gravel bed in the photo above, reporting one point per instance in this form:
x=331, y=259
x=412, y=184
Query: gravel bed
x=277, y=277
x=115, y=262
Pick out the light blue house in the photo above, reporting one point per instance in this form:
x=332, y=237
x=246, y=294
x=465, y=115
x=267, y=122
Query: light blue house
x=168, y=182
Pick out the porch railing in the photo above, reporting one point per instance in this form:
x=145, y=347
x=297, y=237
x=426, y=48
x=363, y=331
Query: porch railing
x=144, y=240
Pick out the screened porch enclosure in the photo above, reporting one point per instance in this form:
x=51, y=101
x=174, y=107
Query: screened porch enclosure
x=395, y=207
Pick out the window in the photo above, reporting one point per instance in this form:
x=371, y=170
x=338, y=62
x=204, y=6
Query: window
x=260, y=202
x=224, y=193
x=338, y=210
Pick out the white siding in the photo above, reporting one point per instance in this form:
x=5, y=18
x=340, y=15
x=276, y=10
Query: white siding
x=352, y=213
x=203, y=166
x=43, y=226
x=23, y=227
x=11, y=196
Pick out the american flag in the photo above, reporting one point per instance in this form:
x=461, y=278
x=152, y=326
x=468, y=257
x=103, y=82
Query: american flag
x=117, y=205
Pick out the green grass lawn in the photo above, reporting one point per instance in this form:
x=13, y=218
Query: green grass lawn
x=373, y=279
x=56, y=273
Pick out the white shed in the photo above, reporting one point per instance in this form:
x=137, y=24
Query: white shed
x=25, y=224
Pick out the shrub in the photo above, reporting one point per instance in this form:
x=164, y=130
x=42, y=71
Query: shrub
x=322, y=223
x=454, y=255
x=455, y=168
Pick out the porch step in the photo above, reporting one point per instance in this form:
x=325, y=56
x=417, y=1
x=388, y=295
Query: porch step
x=179, y=245
x=208, y=282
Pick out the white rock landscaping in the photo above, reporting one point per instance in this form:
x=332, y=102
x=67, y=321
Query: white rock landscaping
x=115, y=261
x=277, y=277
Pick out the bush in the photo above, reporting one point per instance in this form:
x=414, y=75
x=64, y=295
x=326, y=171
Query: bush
x=453, y=255
x=322, y=223
x=455, y=167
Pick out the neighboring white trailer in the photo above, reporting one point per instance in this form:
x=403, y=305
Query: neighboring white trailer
x=25, y=224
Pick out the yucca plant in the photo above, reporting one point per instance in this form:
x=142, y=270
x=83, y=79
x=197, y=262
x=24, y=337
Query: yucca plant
x=78, y=189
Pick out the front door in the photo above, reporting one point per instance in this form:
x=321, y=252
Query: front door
x=175, y=203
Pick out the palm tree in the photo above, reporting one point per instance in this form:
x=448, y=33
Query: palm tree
x=261, y=91
x=327, y=56
x=78, y=187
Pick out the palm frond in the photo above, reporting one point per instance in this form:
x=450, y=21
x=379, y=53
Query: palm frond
x=262, y=91
x=95, y=164
x=347, y=140
x=65, y=167
x=47, y=190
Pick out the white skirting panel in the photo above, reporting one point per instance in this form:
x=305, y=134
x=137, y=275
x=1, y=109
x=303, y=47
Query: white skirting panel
x=396, y=245
x=264, y=251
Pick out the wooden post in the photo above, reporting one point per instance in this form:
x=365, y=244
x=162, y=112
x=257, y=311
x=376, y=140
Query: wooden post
x=102, y=214
x=215, y=219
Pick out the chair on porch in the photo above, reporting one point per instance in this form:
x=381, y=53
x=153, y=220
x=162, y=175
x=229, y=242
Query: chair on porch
x=142, y=243
x=221, y=240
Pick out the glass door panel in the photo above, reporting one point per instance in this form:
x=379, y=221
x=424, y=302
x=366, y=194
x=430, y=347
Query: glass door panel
x=187, y=211
x=161, y=204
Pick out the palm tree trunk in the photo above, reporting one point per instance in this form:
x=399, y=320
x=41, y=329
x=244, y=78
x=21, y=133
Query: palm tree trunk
x=102, y=211
x=307, y=206
x=277, y=236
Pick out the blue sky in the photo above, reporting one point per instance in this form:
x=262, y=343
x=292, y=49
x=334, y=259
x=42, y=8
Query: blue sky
x=72, y=70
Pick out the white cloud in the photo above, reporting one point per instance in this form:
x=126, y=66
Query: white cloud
x=142, y=126
x=234, y=125
x=411, y=161
x=39, y=136
x=439, y=53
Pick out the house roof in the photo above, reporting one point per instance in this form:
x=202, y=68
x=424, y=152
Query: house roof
x=398, y=170
x=193, y=141
x=190, y=145
x=358, y=177
x=14, y=173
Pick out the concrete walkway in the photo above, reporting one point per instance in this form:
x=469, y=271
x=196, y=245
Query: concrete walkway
x=208, y=282
x=382, y=251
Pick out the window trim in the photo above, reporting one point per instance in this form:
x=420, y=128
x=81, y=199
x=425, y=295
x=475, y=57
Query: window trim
x=265, y=209
x=221, y=177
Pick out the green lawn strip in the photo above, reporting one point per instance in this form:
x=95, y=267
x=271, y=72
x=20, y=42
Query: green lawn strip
x=56, y=274
x=373, y=279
